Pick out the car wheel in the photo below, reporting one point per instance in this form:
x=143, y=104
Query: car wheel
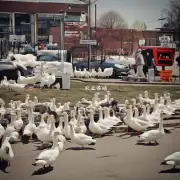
x=114, y=74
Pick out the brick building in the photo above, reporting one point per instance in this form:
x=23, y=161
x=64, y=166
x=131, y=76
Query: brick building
x=109, y=41
x=34, y=18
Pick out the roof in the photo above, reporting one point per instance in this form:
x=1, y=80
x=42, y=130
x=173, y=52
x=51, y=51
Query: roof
x=40, y=7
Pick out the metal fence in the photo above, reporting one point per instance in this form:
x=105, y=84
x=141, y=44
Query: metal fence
x=5, y=47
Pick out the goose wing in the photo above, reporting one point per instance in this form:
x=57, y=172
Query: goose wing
x=173, y=156
x=83, y=136
x=149, y=133
x=102, y=126
x=46, y=155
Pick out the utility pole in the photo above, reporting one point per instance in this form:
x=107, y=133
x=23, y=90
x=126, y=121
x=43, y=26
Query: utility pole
x=89, y=2
x=89, y=33
x=62, y=37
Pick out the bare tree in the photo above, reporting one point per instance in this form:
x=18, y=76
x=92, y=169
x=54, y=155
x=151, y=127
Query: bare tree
x=139, y=25
x=173, y=17
x=112, y=20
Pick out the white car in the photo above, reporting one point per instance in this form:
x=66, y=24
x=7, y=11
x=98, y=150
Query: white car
x=52, y=60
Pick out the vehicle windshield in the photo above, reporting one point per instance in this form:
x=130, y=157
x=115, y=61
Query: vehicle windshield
x=47, y=58
x=122, y=62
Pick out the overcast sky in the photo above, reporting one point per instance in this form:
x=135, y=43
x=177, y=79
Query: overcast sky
x=144, y=10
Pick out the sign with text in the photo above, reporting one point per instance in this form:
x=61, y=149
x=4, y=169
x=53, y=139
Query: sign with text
x=89, y=42
x=165, y=41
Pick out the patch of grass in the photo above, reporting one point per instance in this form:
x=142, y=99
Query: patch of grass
x=78, y=91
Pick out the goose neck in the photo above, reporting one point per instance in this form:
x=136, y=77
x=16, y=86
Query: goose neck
x=66, y=120
x=13, y=119
x=128, y=116
x=148, y=110
x=42, y=119
x=79, y=120
x=100, y=114
x=52, y=128
x=106, y=113
x=72, y=130
x=60, y=122
x=144, y=111
x=136, y=112
x=55, y=142
x=91, y=117
x=161, y=127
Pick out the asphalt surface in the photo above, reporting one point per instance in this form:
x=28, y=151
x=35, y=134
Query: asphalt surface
x=114, y=157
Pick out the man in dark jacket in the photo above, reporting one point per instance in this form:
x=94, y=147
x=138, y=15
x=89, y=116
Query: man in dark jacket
x=178, y=60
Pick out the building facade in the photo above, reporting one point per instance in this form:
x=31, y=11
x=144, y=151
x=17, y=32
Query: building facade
x=109, y=40
x=34, y=19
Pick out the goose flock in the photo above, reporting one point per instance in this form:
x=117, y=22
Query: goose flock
x=40, y=76
x=108, y=72
x=52, y=123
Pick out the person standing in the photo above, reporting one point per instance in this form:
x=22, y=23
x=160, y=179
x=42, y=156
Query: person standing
x=139, y=62
x=178, y=61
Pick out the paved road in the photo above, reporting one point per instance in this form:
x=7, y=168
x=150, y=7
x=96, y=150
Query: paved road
x=114, y=158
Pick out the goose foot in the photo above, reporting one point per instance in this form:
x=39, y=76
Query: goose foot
x=174, y=167
x=156, y=142
x=150, y=143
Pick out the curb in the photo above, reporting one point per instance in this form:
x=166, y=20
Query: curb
x=124, y=128
x=126, y=82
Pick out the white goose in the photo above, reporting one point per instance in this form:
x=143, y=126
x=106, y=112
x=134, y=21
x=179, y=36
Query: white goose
x=85, y=101
x=18, y=124
x=105, y=121
x=113, y=117
x=153, y=118
x=87, y=74
x=45, y=134
x=148, y=100
x=60, y=126
x=53, y=106
x=144, y=116
x=10, y=127
x=73, y=118
x=47, y=157
x=42, y=124
x=66, y=126
x=6, y=151
x=81, y=127
x=80, y=139
x=108, y=118
x=173, y=159
x=17, y=87
x=77, y=73
x=153, y=135
x=136, y=117
x=2, y=130
x=97, y=128
x=135, y=124
x=2, y=111
x=105, y=100
x=30, y=128
x=123, y=107
x=93, y=73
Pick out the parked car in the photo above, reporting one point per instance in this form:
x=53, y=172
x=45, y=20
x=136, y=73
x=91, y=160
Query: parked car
x=53, y=60
x=119, y=69
x=26, y=49
x=9, y=70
